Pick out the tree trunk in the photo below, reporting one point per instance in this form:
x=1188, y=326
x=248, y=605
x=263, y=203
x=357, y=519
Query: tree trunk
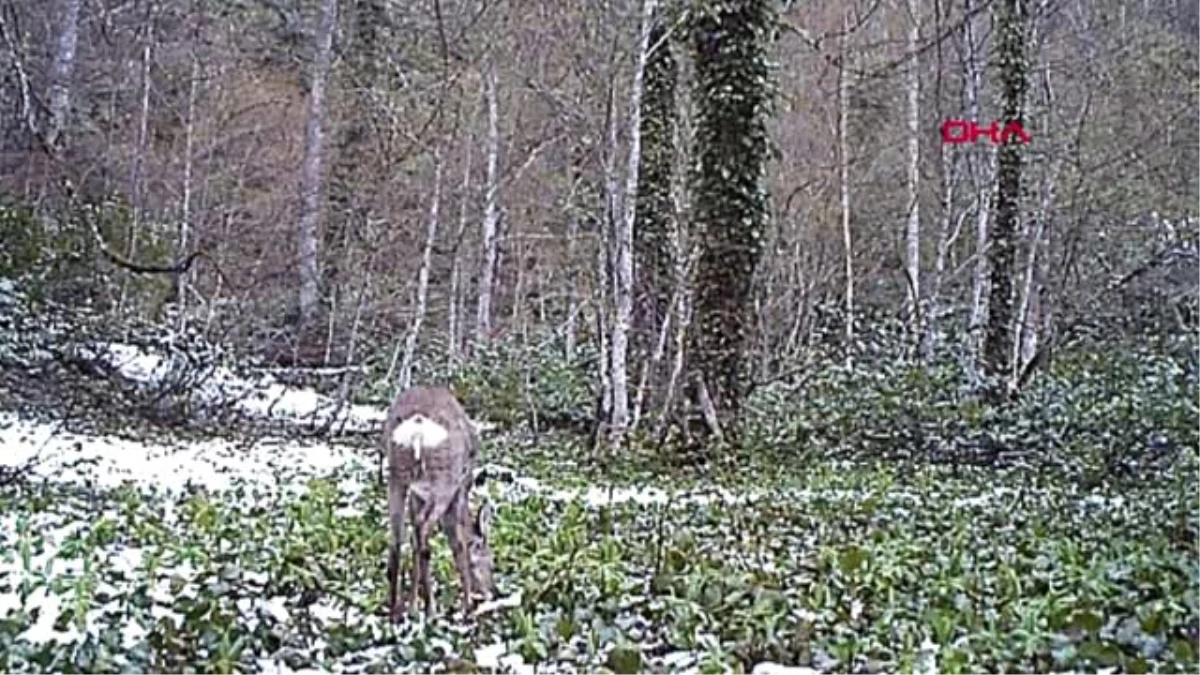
x=572, y=280
x=982, y=179
x=185, y=208
x=1031, y=311
x=62, y=67
x=483, y=314
x=655, y=209
x=453, y=317
x=310, y=176
x=913, y=230
x=844, y=183
x=624, y=241
x=997, y=348
x=137, y=171
x=414, y=330
x=606, y=264
x=733, y=92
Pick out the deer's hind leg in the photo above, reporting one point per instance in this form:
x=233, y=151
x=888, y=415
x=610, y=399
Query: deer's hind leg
x=456, y=523
x=397, y=500
x=422, y=581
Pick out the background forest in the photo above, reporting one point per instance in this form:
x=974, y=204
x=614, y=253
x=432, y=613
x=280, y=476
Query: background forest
x=773, y=375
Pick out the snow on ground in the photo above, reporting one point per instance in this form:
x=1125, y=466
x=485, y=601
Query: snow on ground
x=217, y=464
x=265, y=397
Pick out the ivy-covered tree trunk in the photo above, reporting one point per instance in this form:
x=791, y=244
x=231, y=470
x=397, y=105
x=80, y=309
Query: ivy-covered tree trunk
x=997, y=349
x=733, y=93
x=654, y=227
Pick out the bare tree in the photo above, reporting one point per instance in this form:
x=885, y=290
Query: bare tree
x=623, y=240
x=843, y=104
x=310, y=174
x=487, y=276
x=62, y=68
x=913, y=230
x=453, y=314
x=185, y=206
x=137, y=170
x=422, y=299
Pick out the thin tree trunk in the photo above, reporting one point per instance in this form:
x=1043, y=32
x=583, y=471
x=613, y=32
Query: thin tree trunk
x=483, y=315
x=137, y=171
x=453, y=318
x=414, y=330
x=1030, y=310
x=979, y=285
x=517, y=312
x=624, y=242
x=682, y=309
x=913, y=230
x=844, y=183
x=949, y=165
x=572, y=278
x=62, y=67
x=310, y=176
x=185, y=209
x=606, y=263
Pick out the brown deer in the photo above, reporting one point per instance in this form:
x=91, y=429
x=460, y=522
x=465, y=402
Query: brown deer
x=432, y=449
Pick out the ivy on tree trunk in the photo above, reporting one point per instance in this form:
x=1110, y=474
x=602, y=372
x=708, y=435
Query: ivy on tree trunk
x=998, y=339
x=733, y=93
x=655, y=210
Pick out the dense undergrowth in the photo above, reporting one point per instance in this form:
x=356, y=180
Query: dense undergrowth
x=877, y=519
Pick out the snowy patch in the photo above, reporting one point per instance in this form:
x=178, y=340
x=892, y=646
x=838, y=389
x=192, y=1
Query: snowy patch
x=769, y=668
x=216, y=464
x=265, y=397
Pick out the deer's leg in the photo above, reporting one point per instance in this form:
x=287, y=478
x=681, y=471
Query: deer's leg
x=397, y=500
x=425, y=524
x=456, y=525
x=415, y=572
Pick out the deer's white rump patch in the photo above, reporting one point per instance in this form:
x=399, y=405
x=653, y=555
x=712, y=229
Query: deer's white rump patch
x=418, y=432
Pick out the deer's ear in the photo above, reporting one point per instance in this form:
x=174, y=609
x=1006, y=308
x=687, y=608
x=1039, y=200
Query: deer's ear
x=483, y=520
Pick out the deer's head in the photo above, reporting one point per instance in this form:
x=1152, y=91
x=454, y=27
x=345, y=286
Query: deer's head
x=480, y=551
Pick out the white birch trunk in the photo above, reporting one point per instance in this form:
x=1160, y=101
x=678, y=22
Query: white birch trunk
x=483, y=315
x=913, y=230
x=414, y=330
x=1029, y=313
x=310, y=175
x=624, y=241
x=453, y=319
x=844, y=183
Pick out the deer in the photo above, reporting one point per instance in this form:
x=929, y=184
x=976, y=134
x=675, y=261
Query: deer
x=432, y=448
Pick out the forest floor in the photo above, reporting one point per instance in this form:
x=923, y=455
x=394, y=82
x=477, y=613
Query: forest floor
x=130, y=544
